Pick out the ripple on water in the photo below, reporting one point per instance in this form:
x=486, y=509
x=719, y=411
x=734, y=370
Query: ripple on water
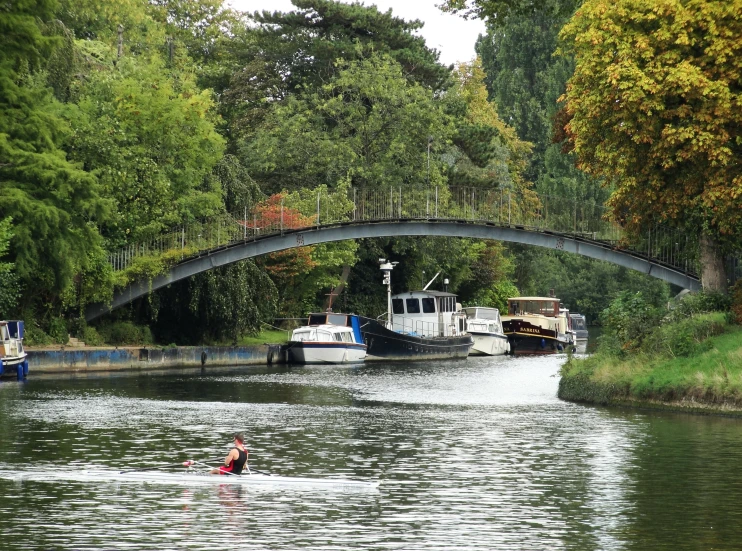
x=478, y=454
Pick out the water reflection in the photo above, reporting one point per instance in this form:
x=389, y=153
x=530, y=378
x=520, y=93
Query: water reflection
x=478, y=454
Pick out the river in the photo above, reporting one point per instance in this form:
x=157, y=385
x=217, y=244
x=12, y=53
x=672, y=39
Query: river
x=475, y=454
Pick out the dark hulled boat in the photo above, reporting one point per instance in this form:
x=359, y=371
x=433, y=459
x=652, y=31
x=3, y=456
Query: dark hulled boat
x=536, y=325
x=420, y=325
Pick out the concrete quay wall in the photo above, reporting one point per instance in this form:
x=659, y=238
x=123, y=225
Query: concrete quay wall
x=76, y=360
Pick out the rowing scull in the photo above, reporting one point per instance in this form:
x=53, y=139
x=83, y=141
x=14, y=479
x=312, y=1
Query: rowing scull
x=192, y=477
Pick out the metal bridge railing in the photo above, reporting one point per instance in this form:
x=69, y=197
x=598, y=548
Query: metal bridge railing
x=502, y=207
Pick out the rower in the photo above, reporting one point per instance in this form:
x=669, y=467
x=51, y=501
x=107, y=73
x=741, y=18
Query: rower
x=236, y=458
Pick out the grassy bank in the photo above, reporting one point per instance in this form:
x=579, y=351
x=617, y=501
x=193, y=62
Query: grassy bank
x=265, y=337
x=706, y=376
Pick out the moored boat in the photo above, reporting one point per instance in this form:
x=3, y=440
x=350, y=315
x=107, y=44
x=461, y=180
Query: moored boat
x=420, y=325
x=12, y=355
x=535, y=325
x=579, y=325
x=328, y=338
x=485, y=327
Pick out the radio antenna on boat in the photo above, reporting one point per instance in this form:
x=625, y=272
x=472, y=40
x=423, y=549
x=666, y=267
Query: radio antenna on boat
x=431, y=281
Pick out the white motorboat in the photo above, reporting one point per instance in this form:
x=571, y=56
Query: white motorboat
x=12, y=355
x=327, y=338
x=485, y=327
x=191, y=477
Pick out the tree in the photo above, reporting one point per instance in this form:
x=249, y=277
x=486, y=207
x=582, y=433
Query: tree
x=286, y=53
x=654, y=105
x=148, y=133
x=54, y=204
x=9, y=289
x=369, y=123
x=488, y=151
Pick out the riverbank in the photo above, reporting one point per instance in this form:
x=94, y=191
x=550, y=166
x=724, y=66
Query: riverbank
x=65, y=360
x=707, y=381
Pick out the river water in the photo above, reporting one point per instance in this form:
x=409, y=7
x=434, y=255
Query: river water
x=475, y=454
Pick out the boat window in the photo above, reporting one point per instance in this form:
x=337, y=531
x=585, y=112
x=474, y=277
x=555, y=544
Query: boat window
x=337, y=319
x=397, y=306
x=347, y=337
x=324, y=336
x=428, y=305
x=413, y=305
x=317, y=319
x=337, y=337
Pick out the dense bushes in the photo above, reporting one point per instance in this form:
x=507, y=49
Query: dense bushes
x=632, y=325
x=125, y=332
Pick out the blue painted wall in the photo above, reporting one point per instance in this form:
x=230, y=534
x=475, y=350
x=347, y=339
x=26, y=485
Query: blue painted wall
x=71, y=360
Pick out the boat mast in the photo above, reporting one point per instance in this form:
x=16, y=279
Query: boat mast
x=387, y=268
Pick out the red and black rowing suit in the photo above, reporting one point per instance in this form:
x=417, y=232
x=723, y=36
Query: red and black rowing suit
x=235, y=466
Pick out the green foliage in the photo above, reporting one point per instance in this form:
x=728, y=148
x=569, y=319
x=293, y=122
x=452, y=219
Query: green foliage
x=55, y=205
x=9, y=286
x=369, y=123
x=58, y=330
x=216, y=306
x=626, y=323
x=91, y=337
x=148, y=133
x=35, y=336
x=122, y=333
x=654, y=109
x=689, y=372
x=736, y=306
x=685, y=337
x=692, y=304
x=494, y=297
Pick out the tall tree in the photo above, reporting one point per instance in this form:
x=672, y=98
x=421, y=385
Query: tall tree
x=655, y=106
x=9, y=289
x=368, y=123
x=149, y=135
x=54, y=204
x=290, y=52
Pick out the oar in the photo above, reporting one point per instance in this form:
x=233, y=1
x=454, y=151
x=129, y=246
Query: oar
x=181, y=464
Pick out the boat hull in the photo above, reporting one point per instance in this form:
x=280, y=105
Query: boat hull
x=527, y=338
x=384, y=344
x=307, y=352
x=196, y=478
x=488, y=344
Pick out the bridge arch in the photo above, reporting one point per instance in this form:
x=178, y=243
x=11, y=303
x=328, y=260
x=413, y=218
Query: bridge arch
x=365, y=229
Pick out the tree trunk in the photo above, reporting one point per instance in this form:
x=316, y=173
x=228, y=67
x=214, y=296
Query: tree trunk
x=713, y=275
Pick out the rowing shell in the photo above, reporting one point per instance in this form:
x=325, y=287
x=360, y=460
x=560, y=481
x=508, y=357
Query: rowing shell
x=191, y=477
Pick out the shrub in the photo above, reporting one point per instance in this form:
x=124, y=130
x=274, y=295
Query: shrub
x=736, y=303
x=702, y=302
x=688, y=337
x=35, y=336
x=125, y=333
x=58, y=331
x=626, y=322
x=91, y=337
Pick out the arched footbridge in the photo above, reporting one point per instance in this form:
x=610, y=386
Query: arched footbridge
x=549, y=222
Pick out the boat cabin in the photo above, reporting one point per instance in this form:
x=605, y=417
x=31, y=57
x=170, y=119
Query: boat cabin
x=545, y=312
x=323, y=333
x=544, y=306
x=427, y=313
x=483, y=319
x=319, y=324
